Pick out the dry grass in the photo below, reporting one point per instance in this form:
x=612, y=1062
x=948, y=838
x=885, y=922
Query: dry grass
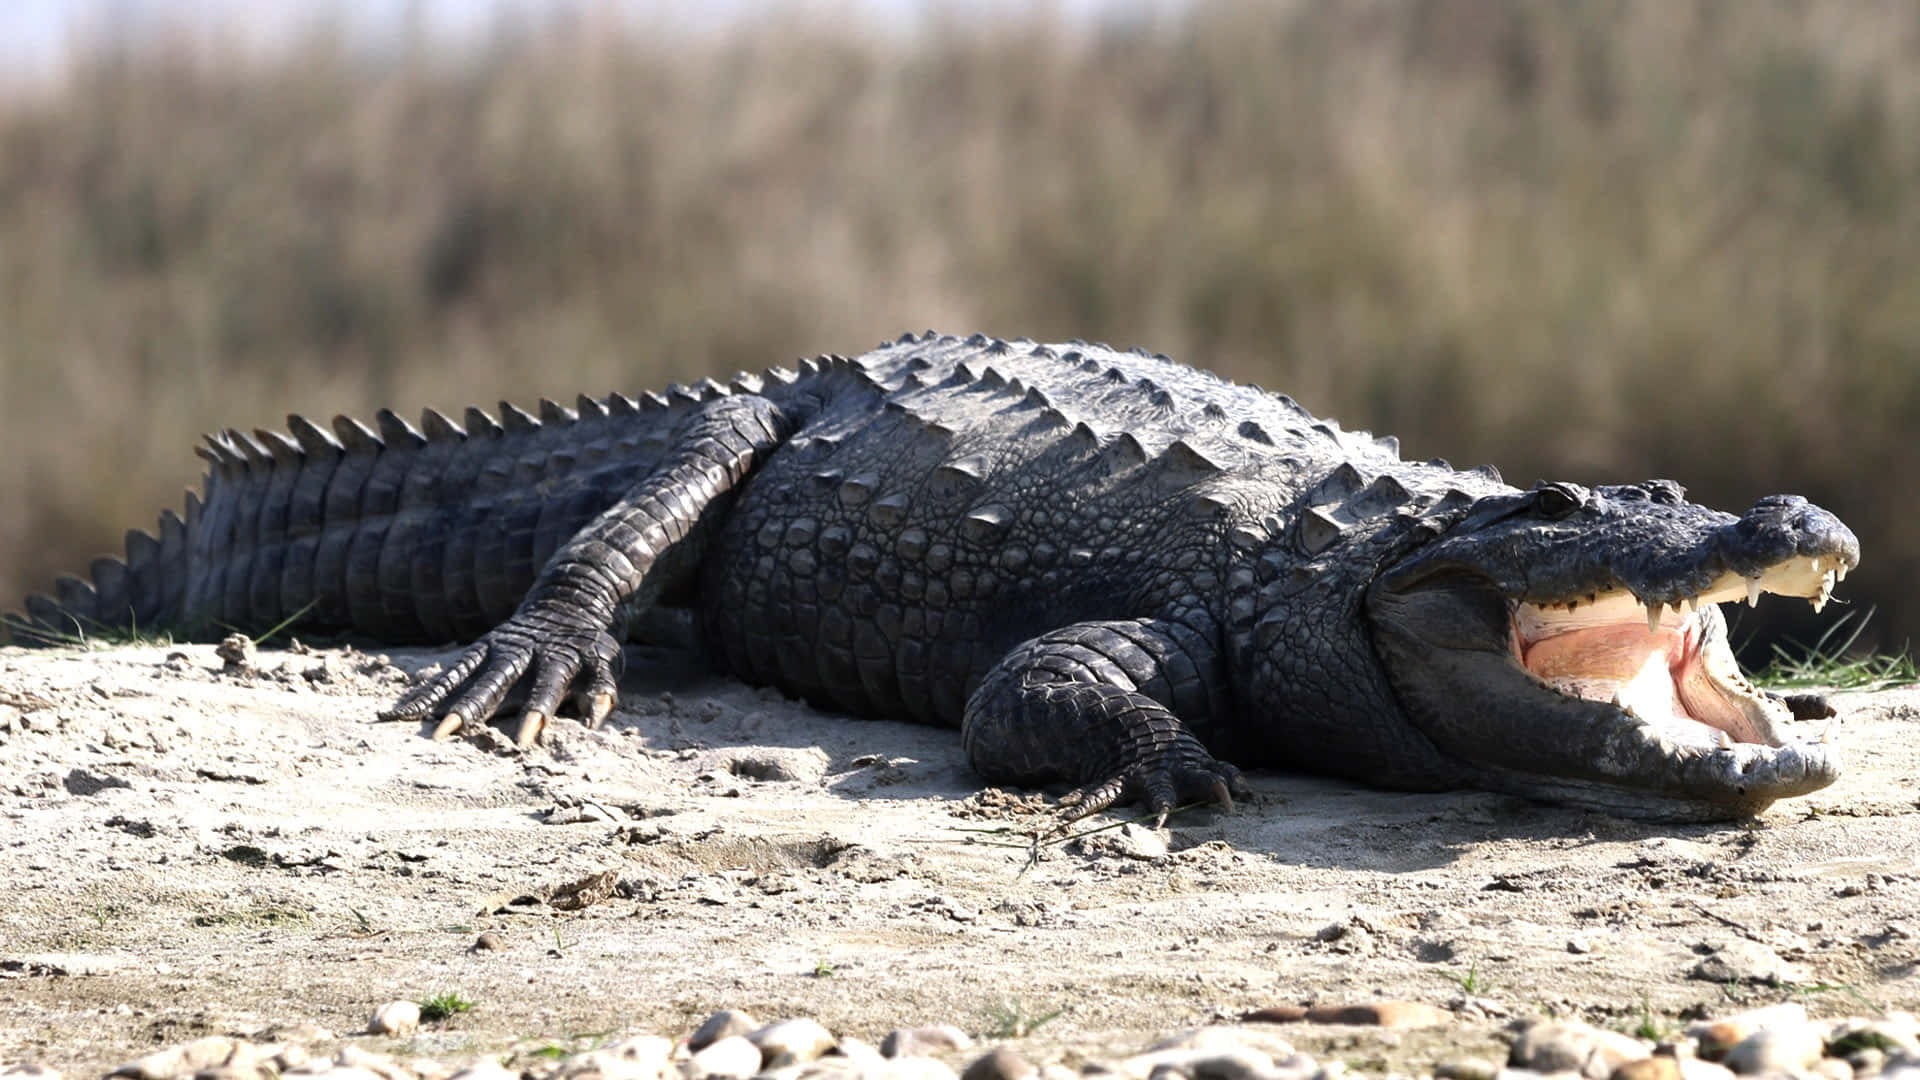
x=1591, y=240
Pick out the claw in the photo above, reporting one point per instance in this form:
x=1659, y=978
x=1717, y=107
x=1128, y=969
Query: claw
x=1222, y=796
x=532, y=723
x=598, y=708
x=451, y=723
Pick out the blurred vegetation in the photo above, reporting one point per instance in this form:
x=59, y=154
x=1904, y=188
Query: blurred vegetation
x=1596, y=240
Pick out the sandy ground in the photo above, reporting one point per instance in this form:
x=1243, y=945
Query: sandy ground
x=188, y=850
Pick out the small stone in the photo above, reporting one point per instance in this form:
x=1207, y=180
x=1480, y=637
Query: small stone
x=789, y=1042
x=1747, y=962
x=1867, y=1061
x=720, y=1025
x=731, y=1056
x=184, y=1060
x=29, y=1072
x=643, y=1057
x=237, y=650
x=1000, y=1063
x=395, y=1018
x=1275, y=1014
x=1467, y=1069
x=1777, y=1049
x=924, y=1041
x=1574, y=1046
x=1896, y=1033
x=1651, y=1068
x=1214, y=1053
x=489, y=941
x=860, y=1053
x=368, y=1063
x=1387, y=1014
x=1720, y=1035
x=1579, y=945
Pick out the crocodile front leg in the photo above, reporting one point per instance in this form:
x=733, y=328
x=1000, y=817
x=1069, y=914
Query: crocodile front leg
x=619, y=563
x=1098, y=704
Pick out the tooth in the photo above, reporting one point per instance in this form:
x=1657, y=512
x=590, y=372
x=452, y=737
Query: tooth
x=1840, y=572
x=1826, y=592
x=1726, y=741
x=1753, y=592
x=1653, y=618
x=1616, y=703
x=1826, y=733
x=1816, y=566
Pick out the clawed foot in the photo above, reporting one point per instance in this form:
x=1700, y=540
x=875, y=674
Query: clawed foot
x=560, y=657
x=1161, y=786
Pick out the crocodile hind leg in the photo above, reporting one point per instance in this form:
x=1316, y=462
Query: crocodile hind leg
x=1098, y=705
x=563, y=632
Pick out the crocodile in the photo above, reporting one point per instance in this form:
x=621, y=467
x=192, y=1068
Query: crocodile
x=1112, y=572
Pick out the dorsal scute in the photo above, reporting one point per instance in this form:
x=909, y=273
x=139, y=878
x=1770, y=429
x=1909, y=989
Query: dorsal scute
x=357, y=437
x=396, y=432
x=516, y=419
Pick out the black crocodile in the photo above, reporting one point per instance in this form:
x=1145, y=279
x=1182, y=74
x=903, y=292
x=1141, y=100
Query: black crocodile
x=1107, y=569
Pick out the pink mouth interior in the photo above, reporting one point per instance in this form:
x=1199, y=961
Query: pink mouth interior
x=1666, y=677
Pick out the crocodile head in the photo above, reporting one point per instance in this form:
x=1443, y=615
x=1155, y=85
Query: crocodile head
x=1567, y=644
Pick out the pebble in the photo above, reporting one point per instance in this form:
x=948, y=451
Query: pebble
x=395, y=1018
x=789, y=1042
x=1650, y=1068
x=720, y=1025
x=237, y=650
x=1467, y=1069
x=1895, y=1033
x=1718, y=1036
x=643, y=1057
x=1389, y=1014
x=1747, y=962
x=1000, y=1063
x=183, y=1060
x=1777, y=1049
x=1574, y=1046
x=29, y=1072
x=380, y=1065
x=924, y=1041
x=731, y=1056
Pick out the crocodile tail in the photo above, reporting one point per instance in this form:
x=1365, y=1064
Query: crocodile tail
x=400, y=533
x=131, y=595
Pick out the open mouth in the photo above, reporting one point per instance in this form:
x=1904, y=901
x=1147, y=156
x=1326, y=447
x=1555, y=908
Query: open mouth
x=1666, y=663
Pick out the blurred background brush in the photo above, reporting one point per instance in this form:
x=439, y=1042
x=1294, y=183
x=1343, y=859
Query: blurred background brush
x=1597, y=241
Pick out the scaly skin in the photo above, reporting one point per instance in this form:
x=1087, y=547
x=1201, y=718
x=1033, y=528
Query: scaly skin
x=1108, y=570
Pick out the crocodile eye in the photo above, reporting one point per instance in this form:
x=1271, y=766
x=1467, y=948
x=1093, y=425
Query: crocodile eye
x=1666, y=492
x=1555, y=501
